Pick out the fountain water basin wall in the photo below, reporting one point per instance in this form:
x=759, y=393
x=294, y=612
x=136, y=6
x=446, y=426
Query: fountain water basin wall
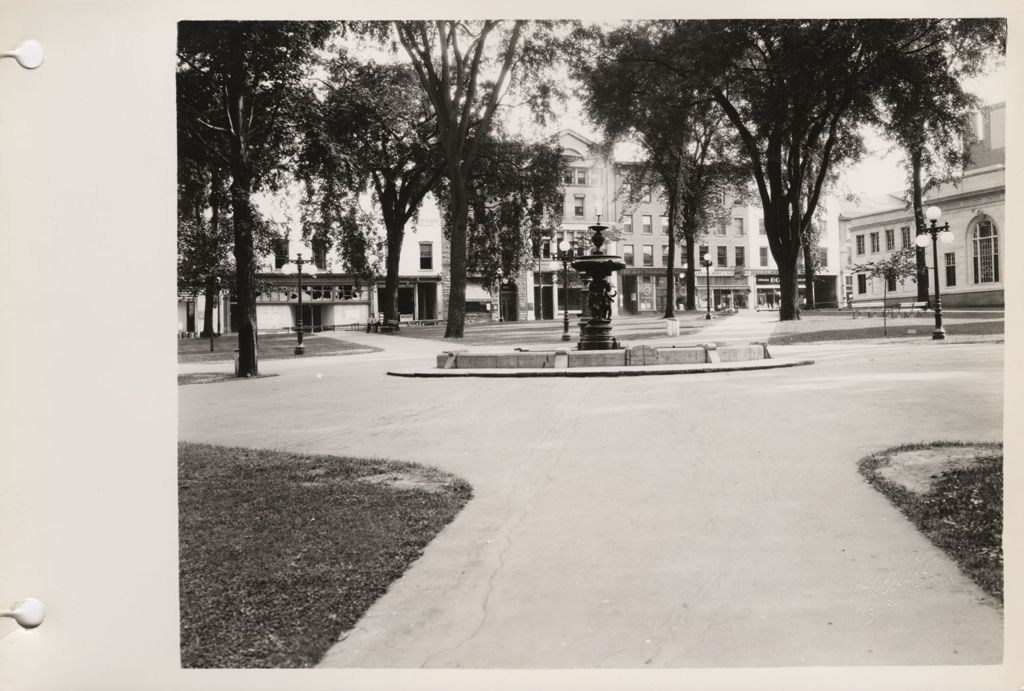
x=636, y=356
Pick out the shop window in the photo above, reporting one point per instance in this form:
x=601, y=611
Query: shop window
x=950, y=269
x=427, y=255
x=648, y=255
x=985, y=245
x=763, y=252
x=723, y=256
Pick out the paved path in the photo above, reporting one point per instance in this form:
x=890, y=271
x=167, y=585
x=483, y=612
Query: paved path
x=713, y=520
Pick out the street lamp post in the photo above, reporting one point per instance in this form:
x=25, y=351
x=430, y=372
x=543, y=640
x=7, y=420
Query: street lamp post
x=705, y=261
x=566, y=254
x=295, y=267
x=938, y=233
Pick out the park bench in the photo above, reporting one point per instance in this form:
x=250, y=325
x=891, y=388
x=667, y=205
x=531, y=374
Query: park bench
x=909, y=308
x=870, y=308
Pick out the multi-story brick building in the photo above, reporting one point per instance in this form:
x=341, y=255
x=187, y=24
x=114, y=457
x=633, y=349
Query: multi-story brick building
x=972, y=267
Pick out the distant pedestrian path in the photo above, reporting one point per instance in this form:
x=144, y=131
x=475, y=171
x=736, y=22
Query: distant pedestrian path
x=744, y=326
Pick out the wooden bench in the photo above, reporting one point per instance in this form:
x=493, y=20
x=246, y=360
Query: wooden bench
x=908, y=308
x=870, y=308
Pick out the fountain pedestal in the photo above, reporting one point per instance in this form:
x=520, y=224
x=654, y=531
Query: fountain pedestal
x=596, y=333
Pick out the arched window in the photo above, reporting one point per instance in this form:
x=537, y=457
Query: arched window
x=985, y=251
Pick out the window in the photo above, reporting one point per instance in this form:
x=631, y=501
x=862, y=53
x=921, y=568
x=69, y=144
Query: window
x=950, y=269
x=890, y=239
x=319, y=254
x=684, y=257
x=627, y=223
x=761, y=230
x=890, y=283
x=874, y=243
x=647, y=224
x=664, y=225
x=647, y=196
x=280, y=252
x=763, y=251
x=648, y=255
x=568, y=176
x=578, y=204
x=627, y=190
x=862, y=284
x=723, y=256
x=985, y=243
x=627, y=254
x=822, y=256
x=741, y=256
x=703, y=251
x=664, y=255
x=860, y=244
x=720, y=230
x=737, y=226
x=905, y=236
x=581, y=176
x=426, y=255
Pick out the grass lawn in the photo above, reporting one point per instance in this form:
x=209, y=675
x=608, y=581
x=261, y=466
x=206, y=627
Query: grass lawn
x=280, y=553
x=817, y=330
x=953, y=493
x=271, y=347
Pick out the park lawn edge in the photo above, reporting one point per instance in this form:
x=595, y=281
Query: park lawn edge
x=965, y=552
x=281, y=553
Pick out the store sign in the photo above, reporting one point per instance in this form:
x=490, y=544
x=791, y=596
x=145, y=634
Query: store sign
x=767, y=280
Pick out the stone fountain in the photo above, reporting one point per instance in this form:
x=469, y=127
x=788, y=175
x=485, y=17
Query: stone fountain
x=596, y=329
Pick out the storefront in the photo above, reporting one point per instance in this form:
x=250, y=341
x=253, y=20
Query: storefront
x=769, y=295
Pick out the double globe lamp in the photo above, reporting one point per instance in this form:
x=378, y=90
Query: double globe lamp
x=945, y=236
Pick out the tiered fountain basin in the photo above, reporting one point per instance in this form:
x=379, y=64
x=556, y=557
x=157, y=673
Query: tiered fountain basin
x=636, y=360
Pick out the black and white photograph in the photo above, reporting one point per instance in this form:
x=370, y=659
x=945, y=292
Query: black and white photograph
x=593, y=349
x=662, y=343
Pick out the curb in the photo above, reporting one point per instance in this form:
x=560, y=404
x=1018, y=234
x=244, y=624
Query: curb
x=579, y=372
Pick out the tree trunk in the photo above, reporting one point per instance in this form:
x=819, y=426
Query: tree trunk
x=389, y=302
x=808, y=274
x=691, y=273
x=920, y=253
x=789, y=285
x=670, y=265
x=241, y=209
x=457, y=257
x=208, y=303
x=245, y=280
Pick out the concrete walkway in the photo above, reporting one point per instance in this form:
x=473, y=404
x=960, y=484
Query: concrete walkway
x=712, y=520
